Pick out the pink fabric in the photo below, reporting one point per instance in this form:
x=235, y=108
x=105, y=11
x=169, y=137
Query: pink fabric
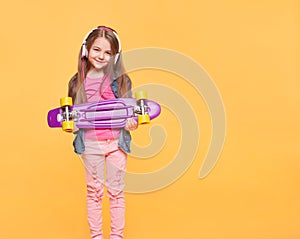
x=99, y=89
x=96, y=155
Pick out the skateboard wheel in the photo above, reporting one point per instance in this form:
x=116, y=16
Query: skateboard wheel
x=68, y=126
x=143, y=119
x=141, y=95
x=66, y=101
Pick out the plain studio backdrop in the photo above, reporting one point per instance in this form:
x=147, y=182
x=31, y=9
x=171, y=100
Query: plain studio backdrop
x=250, y=49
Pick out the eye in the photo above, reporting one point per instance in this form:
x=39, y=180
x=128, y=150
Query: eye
x=108, y=52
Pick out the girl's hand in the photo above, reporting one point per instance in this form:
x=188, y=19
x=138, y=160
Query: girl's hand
x=131, y=124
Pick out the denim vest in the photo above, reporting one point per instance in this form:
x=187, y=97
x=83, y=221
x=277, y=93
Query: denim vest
x=125, y=137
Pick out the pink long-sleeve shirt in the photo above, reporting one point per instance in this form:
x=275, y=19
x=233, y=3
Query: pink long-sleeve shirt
x=99, y=89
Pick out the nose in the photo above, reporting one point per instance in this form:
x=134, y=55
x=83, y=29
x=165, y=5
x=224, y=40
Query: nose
x=101, y=55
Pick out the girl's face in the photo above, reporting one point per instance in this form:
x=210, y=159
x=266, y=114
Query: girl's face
x=100, y=54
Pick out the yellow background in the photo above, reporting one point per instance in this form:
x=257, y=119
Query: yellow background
x=250, y=49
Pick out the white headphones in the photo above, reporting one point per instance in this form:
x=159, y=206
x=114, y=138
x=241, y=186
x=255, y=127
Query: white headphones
x=84, y=52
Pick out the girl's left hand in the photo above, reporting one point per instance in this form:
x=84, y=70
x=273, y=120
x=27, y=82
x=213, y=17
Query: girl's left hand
x=131, y=124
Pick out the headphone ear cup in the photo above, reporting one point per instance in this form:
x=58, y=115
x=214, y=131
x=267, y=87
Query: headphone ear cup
x=117, y=57
x=84, y=51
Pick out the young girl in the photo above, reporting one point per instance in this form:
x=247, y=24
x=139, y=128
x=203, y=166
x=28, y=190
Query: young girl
x=101, y=76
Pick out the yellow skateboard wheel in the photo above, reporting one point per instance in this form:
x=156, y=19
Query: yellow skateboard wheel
x=141, y=95
x=66, y=101
x=143, y=119
x=68, y=126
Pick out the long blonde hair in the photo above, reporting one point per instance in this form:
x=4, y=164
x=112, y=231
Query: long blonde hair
x=115, y=69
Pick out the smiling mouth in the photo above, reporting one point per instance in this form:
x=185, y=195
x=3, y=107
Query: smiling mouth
x=100, y=61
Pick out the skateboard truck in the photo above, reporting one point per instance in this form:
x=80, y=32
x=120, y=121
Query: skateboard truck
x=142, y=108
x=66, y=106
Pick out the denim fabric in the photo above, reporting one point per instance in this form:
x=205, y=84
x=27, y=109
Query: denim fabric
x=124, y=141
x=115, y=85
x=78, y=142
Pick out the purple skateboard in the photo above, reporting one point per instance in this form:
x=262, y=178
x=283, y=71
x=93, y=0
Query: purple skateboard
x=103, y=114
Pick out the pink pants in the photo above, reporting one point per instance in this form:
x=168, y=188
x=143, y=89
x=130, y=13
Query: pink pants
x=97, y=155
